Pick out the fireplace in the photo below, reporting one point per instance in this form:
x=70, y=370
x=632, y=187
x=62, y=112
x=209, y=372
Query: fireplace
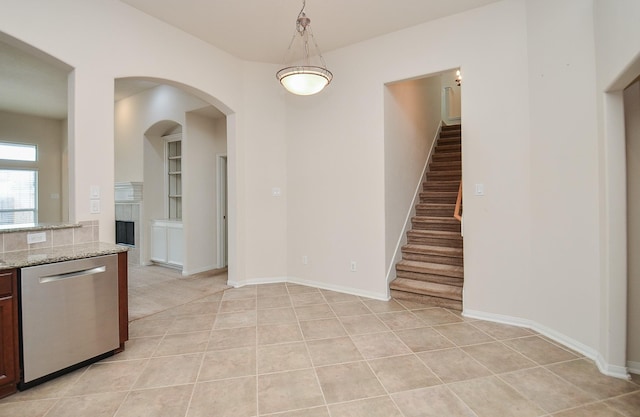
x=125, y=233
x=128, y=196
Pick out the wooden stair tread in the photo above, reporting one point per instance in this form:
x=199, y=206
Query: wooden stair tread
x=435, y=219
x=435, y=205
x=431, y=268
x=440, y=193
x=430, y=249
x=426, y=300
x=437, y=233
x=427, y=288
x=439, y=279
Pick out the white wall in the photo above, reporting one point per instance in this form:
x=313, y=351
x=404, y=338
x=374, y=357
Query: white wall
x=336, y=205
x=454, y=92
x=563, y=160
x=262, y=167
x=632, y=128
x=47, y=135
x=412, y=114
x=200, y=145
x=617, y=41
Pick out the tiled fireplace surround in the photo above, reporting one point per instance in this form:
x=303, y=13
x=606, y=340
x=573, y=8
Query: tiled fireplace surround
x=128, y=200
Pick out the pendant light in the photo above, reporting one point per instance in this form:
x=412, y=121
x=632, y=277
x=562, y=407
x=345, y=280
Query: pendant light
x=305, y=72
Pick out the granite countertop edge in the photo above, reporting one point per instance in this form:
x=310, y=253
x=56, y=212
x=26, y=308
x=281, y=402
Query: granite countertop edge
x=38, y=227
x=33, y=257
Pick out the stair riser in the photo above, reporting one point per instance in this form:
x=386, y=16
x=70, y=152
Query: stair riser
x=423, y=299
x=447, y=156
x=436, y=226
x=438, y=279
x=427, y=199
x=444, y=260
x=436, y=186
x=420, y=270
x=448, y=148
x=447, y=292
x=445, y=243
x=449, y=175
x=435, y=212
x=449, y=131
x=449, y=140
x=445, y=166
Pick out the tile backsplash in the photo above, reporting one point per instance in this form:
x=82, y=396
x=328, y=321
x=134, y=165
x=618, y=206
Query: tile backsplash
x=86, y=232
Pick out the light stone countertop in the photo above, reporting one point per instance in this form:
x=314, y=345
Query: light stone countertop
x=25, y=258
x=36, y=227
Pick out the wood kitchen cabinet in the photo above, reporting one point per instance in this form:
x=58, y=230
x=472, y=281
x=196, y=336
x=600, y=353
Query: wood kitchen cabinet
x=9, y=366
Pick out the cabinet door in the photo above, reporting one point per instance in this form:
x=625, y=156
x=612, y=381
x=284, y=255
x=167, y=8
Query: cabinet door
x=158, y=243
x=7, y=341
x=174, y=245
x=8, y=334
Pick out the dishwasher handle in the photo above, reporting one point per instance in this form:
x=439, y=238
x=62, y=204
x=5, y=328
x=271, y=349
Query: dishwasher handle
x=74, y=274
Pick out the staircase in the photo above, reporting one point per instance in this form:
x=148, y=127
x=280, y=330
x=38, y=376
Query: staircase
x=431, y=269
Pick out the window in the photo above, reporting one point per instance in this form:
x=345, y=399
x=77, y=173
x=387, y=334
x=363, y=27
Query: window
x=18, y=202
x=17, y=152
x=18, y=185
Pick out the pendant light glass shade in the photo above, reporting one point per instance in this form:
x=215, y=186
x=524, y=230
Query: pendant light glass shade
x=304, y=81
x=306, y=73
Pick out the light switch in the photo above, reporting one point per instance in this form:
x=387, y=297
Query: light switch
x=479, y=189
x=95, y=191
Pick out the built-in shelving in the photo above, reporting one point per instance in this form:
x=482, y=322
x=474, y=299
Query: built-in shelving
x=174, y=173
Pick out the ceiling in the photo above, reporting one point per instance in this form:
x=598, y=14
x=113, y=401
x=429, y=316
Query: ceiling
x=260, y=30
x=254, y=30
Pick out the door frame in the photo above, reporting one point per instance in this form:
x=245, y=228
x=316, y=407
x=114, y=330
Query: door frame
x=222, y=209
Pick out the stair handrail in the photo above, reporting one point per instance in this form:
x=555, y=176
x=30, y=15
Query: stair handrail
x=457, y=212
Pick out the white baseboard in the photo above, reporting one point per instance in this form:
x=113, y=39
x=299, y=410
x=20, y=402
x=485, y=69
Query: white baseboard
x=634, y=367
x=604, y=367
x=198, y=270
x=315, y=284
x=257, y=281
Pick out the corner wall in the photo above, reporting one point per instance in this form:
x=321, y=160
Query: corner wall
x=564, y=171
x=617, y=42
x=632, y=128
x=200, y=146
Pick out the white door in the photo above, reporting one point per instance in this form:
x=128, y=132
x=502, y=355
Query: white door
x=222, y=211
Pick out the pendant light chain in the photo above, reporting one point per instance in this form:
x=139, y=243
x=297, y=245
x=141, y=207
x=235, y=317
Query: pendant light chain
x=301, y=77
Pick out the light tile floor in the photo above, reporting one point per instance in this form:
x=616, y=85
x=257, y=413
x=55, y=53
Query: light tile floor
x=293, y=351
x=154, y=288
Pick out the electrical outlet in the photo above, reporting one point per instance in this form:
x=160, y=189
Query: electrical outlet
x=36, y=237
x=94, y=207
x=354, y=266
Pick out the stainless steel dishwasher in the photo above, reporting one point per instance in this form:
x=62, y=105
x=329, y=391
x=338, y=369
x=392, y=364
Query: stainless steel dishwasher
x=69, y=315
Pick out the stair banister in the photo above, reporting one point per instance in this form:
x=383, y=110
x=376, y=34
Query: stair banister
x=457, y=212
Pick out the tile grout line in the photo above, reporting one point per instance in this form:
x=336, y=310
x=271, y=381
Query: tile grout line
x=206, y=349
x=388, y=395
x=306, y=346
